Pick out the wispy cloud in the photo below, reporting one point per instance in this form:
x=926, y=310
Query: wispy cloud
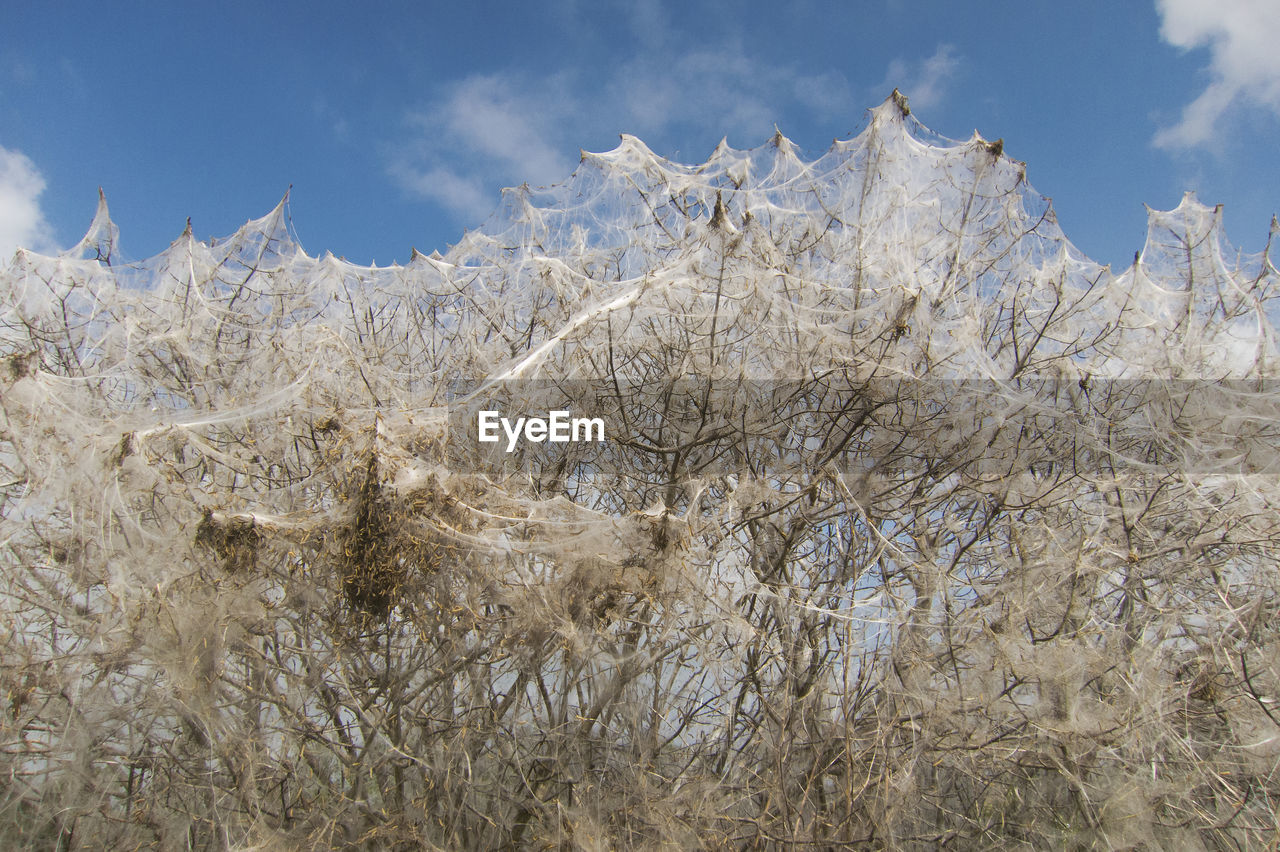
x=330, y=118
x=720, y=86
x=649, y=22
x=465, y=194
x=22, y=223
x=1243, y=38
x=486, y=131
x=924, y=81
x=482, y=130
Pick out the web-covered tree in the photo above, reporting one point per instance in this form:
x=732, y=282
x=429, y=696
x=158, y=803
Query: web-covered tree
x=914, y=527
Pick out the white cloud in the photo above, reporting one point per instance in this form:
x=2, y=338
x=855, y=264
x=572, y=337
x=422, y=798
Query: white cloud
x=720, y=87
x=22, y=224
x=496, y=118
x=482, y=131
x=487, y=131
x=649, y=22
x=1243, y=37
x=923, y=82
x=460, y=193
x=326, y=115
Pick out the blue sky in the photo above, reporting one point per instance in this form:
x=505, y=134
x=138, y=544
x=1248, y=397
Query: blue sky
x=397, y=123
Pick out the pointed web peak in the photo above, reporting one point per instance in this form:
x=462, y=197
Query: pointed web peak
x=1271, y=241
x=99, y=242
x=1189, y=201
x=900, y=101
x=978, y=142
x=280, y=213
x=894, y=108
x=266, y=241
x=1189, y=207
x=720, y=216
x=1189, y=210
x=630, y=154
x=631, y=147
x=722, y=150
x=1186, y=244
x=785, y=149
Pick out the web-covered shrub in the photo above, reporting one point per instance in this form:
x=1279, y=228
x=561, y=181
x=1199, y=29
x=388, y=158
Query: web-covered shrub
x=913, y=526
